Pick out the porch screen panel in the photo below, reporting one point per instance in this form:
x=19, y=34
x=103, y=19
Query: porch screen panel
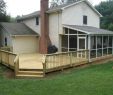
x=99, y=46
x=64, y=43
x=110, y=45
x=93, y=47
x=93, y=42
x=105, y=45
x=73, y=43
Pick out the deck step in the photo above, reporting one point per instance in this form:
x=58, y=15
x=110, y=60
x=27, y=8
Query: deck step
x=30, y=72
x=28, y=76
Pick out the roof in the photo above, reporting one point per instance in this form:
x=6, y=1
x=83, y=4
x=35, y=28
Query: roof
x=88, y=29
x=59, y=8
x=17, y=29
x=31, y=15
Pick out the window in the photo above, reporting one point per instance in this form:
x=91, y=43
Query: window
x=85, y=19
x=37, y=21
x=5, y=41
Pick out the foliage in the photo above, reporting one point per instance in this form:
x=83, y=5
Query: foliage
x=106, y=9
x=3, y=16
x=55, y=3
x=91, y=80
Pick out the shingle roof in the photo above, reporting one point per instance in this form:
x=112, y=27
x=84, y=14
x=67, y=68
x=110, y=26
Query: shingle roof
x=89, y=29
x=31, y=15
x=17, y=29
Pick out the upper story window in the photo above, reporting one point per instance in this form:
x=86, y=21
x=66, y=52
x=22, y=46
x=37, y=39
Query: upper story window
x=85, y=20
x=37, y=20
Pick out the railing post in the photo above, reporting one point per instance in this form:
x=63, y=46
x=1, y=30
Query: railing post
x=16, y=64
x=71, y=59
x=44, y=64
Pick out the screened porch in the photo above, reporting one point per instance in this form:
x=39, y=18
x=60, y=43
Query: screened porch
x=99, y=42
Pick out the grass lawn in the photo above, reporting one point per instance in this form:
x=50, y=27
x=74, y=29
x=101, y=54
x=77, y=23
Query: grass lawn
x=92, y=80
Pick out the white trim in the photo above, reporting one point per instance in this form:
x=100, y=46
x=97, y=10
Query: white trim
x=102, y=46
x=78, y=42
x=90, y=5
x=68, y=40
x=89, y=48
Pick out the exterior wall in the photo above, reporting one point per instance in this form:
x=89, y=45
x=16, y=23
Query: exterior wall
x=55, y=28
x=4, y=35
x=32, y=24
x=74, y=15
x=25, y=44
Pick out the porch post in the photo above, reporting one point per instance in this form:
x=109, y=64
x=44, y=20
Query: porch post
x=102, y=45
x=68, y=39
x=89, y=47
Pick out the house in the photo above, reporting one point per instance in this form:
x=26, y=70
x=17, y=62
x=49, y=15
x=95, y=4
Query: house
x=19, y=37
x=70, y=27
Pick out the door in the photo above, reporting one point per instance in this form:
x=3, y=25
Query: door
x=81, y=43
x=81, y=47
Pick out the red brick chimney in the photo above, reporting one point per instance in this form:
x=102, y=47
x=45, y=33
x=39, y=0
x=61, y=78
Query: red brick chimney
x=44, y=39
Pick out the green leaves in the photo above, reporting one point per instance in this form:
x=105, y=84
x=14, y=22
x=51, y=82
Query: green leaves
x=106, y=9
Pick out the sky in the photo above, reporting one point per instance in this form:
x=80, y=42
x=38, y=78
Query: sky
x=23, y=7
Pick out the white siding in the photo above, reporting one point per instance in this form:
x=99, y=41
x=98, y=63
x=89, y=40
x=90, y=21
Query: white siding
x=4, y=35
x=74, y=15
x=32, y=24
x=25, y=44
x=55, y=28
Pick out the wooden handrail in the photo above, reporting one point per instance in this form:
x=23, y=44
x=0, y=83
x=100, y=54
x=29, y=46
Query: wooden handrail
x=7, y=52
x=59, y=60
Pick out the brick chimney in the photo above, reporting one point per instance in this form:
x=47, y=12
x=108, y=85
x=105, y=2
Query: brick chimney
x=44, y=39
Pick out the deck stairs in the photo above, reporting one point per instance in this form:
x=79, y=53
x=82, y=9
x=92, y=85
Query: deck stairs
x=30, y=66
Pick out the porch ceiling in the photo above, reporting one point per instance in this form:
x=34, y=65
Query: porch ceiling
x=89, y=29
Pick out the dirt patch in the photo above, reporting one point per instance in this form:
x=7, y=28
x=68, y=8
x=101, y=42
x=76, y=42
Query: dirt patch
x=9, y=74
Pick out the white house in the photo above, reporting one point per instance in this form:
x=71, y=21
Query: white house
x=70, y=27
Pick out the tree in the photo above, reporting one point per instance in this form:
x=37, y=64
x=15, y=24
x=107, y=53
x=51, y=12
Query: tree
x=106, y=9
x=55, y=3
x=3, y=16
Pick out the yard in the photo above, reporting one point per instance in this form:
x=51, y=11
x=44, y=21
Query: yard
x=91, y=80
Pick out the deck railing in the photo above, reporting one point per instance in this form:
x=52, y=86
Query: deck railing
x=64, y=60
x=7, y=58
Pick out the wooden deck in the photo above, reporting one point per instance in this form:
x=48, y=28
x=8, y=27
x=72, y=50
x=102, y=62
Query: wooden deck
x=37, y=65
x=30, y=61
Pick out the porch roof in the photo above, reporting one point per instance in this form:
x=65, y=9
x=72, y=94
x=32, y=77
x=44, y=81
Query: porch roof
x=88, y=29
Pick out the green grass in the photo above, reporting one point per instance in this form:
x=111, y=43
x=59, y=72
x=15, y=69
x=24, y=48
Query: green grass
x=92, y=80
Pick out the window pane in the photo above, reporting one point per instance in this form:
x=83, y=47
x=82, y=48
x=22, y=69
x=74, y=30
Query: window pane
x=73, y=41
x=105, y=41
x=84, y=19
x=109, y=50
x=104, y=52
x=66, y=30
x=81, y=32
x=93, y=54
x=65, y=41
x=81, y=43
x=99, y=52
x=110, y=41
x=99, y=42
x=37, y=21
x=93, y=42
x=72, y=31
